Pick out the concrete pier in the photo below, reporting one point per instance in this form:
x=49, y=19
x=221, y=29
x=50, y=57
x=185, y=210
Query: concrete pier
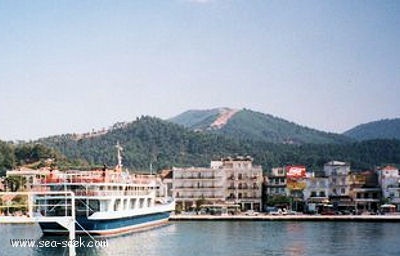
x=365, y=218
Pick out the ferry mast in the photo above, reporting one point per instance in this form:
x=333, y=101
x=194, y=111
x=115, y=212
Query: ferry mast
x=119, y=156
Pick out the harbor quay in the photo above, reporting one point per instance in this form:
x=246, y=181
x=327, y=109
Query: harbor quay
x=300, y=217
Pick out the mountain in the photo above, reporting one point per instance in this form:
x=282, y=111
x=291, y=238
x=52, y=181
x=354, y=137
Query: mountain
x=247, y=124
x=382, y=129
x=146, y=140
x=165, y=144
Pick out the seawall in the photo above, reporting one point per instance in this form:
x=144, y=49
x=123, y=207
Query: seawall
x=365, y=218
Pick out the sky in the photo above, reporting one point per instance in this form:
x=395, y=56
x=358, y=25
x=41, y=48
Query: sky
x=73, y=66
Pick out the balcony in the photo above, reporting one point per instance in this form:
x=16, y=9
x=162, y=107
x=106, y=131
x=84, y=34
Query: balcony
x=274, y=185
x=197, y=188
x=195, y=197
x=199, y=178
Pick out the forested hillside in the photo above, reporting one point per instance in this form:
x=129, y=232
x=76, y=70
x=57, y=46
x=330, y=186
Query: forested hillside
x=148, y=140
x=383, y=129
x=33, y=155
x=252, y=125
x=152, y=140
x=247, y=124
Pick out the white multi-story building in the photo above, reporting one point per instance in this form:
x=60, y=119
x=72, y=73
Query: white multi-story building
x=243, y=181
x=189, y=185
x=389, y=181
x=227, y=181
x=337, y=173
x=317, y=189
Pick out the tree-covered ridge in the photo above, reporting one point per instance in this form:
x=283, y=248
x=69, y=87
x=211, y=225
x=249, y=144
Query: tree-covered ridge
x=152, y=140
x=33, y=155
x=383, y=129
x=147, y=140
x=247, y=124
x=263, y=127
x=164, y=144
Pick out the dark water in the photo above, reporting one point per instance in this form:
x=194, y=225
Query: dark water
x=231, y=238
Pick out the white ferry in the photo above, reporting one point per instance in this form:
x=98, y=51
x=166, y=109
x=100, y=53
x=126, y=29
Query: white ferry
x=107, y=202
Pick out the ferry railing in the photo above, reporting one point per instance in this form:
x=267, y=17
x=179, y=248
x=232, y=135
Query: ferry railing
x=111, y=193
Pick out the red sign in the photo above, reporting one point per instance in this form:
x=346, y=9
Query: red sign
x=296, y=172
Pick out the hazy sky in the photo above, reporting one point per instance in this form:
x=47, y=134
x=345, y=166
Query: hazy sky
x=70, y=66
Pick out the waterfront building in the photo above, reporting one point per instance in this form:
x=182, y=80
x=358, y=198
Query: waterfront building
x=290, y=182
x=364, y=191
x=316, y=192
x=339, y=188
x=242, y=181
x=389, y=181
x=195, y=184
x=230, y=180
x=275, y=182
x=296, y=183
x=27, y=177
x=166, y=183
x=274, y=186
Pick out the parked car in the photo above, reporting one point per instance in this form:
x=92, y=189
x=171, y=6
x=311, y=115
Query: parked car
x=276, y=211
x=290, y=212
x=251, y=213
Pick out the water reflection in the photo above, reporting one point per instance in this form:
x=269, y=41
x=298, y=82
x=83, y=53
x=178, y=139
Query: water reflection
x=230, y=238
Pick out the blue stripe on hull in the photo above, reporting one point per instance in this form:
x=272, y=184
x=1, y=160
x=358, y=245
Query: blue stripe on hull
x=99, y=226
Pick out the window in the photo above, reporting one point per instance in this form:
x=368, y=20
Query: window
x=117, y=204
x=343, y=191
x=132, y=203
x=313, y=194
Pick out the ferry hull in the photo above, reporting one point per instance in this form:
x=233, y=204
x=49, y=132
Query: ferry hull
x=108, y=226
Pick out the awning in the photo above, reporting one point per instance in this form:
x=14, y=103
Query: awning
x=388, y=206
